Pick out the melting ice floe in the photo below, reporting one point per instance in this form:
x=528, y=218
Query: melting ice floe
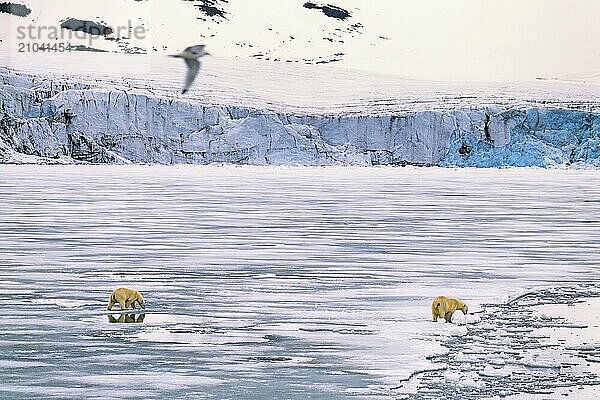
x=518, y=349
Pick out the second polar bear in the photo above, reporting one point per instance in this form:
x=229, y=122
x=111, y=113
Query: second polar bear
x=443, y=306
x=126, y=298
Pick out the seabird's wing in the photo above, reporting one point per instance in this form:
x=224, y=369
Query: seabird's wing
x=192, y=72
x=197, y=49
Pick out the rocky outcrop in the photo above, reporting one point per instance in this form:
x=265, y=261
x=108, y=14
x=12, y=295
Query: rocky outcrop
x=48, y=121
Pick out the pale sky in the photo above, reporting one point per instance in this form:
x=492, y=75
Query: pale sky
x=423, y=39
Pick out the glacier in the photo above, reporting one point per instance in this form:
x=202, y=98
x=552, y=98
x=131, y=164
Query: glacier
x=65, y=120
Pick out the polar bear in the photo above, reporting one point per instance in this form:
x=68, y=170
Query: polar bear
x=445, y=306
x=126, y=298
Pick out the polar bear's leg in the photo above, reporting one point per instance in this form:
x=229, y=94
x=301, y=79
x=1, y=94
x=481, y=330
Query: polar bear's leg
x=111, y=301
x=122, y=304
x=435, y=309
x=448, y=317
x=140, y=300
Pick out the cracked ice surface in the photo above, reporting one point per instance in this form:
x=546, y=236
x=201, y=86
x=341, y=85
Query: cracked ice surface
x=125, y=110
x=543, y=342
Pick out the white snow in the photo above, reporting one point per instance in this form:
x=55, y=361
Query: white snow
x=426, y=40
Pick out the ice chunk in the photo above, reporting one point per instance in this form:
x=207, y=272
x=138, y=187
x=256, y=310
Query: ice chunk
x=462, y=319
x=495, y=372
x=458, y=331
x=462, y=357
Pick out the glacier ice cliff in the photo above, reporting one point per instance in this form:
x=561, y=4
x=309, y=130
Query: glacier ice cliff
x=61, y=121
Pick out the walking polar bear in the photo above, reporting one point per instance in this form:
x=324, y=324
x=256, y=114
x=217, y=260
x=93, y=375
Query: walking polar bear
x=126, y=298
x=446, y=306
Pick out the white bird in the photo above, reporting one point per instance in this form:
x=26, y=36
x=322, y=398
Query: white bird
x=191, y=56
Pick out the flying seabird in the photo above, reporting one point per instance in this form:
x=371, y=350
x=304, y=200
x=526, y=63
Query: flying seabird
x=191, y=57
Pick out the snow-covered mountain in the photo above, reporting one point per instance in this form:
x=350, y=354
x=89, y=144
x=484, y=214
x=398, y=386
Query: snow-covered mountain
x=429, y=39
x=294, y=31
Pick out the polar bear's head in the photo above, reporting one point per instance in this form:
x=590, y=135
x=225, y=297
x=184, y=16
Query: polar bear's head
x=464, y=308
